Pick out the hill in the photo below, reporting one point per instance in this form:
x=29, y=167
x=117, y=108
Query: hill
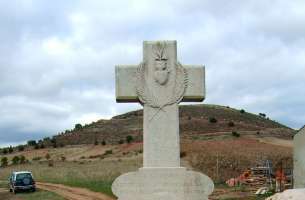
x=195, y=121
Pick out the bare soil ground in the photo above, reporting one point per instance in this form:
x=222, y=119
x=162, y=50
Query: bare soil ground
x=73, y=193
x=6, y=195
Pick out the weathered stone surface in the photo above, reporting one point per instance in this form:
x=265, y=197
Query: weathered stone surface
x=160, y=83
x=299, y=159
x=163, y=183
x=294, y=194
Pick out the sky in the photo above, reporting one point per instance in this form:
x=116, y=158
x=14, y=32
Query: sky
x=57, y=57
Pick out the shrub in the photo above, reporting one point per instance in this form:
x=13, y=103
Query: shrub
x=262, y=115
x=20, y=148
x=257, y=133
x=10, y=149
x=51, y=163
x=47, y=156
x=103, y=142
x=182, y=154
x=4, y=161
x=212, y=120
x=95, y=142
x=78, y=127
x=31, y=142
x=15, y=160
x=231, y=124
x=242, y=111
x=121, y=142
x=129, y=138
x=235, y=134
x=36, y=146
x=5, y=151
x=108, y=152
x=63, y=158
x=22, y=159
x=37, y=158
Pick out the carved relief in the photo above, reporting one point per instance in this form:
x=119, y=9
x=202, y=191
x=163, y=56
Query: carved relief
x=161, y=75
x=161, y=71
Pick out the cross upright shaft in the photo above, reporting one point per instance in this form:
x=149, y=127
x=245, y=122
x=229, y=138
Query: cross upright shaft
x=159, y=83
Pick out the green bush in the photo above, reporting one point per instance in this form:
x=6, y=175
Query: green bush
x=212, y=120
x=231, y=124
x=32, y=143
x=4, y=161
x=10, y=149
x=22, y=159
x=108, y=152
x=129, y=138
x=15, y=160
x=235, y=134
x=5, y=151
x=78, y=127
x=242, y=111
x=20, y=148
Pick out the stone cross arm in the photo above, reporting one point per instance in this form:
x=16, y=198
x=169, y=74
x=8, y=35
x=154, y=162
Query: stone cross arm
x=126, y=83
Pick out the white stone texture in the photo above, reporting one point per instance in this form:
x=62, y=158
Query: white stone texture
x=163, y=184
x=159, y=83
x=293, y=194
x=299, y=159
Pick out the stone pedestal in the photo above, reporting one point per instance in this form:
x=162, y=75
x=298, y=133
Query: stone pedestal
x=163, y=184
x=295, y=194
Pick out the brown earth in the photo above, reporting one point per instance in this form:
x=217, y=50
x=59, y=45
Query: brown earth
x=195, y=121
x=72, y=193
x=6, y=195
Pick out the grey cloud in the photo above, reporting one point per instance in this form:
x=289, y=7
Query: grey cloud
x=57, y=58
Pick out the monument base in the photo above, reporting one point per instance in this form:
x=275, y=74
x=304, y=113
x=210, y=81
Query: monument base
x=293, y=194
x=163, y=184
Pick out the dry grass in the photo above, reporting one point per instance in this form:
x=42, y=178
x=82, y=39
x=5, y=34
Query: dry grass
x=233, y=156
x=95, y=175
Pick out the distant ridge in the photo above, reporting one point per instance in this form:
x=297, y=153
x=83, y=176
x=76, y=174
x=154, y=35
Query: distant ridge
x=195, y=120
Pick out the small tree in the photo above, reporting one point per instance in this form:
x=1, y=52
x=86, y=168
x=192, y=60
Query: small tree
x=212, y=120
x=20, y=148
x=129, y=139
x=15, y=160
x=242, y=111
x=5, y=151
x=78, y=127
x=48, y=156
x=231, y=124
x=4, y=161
x=22, y=159
x=10, y=149
x=103, y=142
x=235, y=134
x=32, y=143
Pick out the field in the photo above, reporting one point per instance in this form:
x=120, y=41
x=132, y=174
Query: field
x=96, y=166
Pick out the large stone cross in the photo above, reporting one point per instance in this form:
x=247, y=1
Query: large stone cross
x=160, y=83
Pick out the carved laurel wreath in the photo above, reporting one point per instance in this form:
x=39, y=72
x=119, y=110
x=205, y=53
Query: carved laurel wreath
x=146, y=97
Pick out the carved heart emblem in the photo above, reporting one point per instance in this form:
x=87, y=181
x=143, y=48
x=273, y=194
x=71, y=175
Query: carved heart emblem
x=161, y=73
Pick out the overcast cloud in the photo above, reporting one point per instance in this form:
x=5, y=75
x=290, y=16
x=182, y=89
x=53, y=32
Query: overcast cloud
x=57, y=57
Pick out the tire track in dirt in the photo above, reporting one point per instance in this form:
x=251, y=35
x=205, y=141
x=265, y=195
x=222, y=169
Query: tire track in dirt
x=72, y=193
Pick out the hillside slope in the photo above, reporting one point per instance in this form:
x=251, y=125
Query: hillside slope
x=195, y=121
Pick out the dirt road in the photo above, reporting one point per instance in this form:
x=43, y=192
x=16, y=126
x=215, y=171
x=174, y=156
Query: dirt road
x=73, y=193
